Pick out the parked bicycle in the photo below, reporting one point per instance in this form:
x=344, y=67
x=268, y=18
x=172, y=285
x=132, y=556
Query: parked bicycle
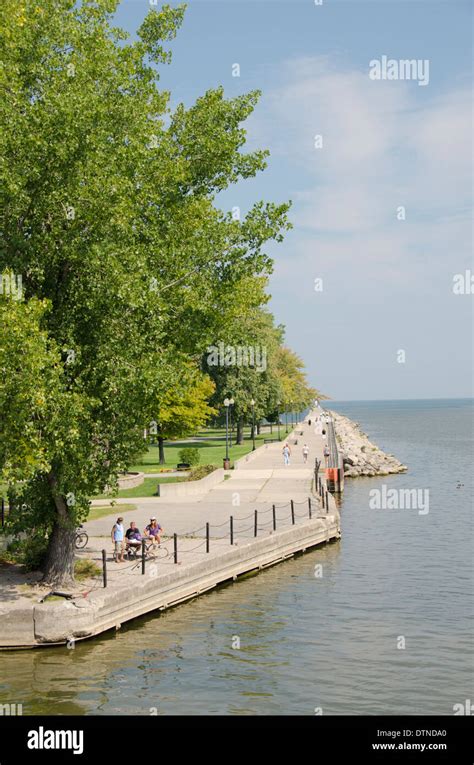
x=81, y=538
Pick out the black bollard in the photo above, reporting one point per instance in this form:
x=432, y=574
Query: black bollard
x=104, y=567
x=309, y=507
x=327, y=501
x=255, y=523
x=207, y=537
x=143, y=557
x=292, y=512
x=274, y=518
x=232, y=529
x=175, y=543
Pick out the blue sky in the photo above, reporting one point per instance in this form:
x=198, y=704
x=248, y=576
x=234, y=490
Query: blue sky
x=387, y=284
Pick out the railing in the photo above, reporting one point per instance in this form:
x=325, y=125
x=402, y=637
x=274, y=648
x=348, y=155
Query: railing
x=260, y=522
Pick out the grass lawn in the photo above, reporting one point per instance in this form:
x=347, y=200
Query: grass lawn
x=146, y=489
x=211, y=451
x=101, y=512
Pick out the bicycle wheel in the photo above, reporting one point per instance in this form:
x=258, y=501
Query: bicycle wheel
x=81, y=540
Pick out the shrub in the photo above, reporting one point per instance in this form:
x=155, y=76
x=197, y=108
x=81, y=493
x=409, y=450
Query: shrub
x=190, y=455
x=200, y=472
x=86, y=569
x=30, y=552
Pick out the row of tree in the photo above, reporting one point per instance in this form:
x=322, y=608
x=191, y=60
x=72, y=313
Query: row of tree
x=129, y=270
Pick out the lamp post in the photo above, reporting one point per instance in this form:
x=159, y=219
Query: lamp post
x=231, y=404
x=226, y=459
x=278, y=419
x=253, y=424
x=286, y=420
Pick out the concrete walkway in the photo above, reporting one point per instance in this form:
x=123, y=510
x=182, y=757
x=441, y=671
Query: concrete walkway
x=259, y=481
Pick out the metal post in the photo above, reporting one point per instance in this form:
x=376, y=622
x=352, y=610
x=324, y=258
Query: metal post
x=232, y=529
x=143, y=556
x=230, y=427
x=309, y=507
x=327, y=501
x=274, y=518
x=104, y=567
x=253, y=427
x=207, y=537
x=322, y=500
x=175, y=542
x=227, y=432
x=255, y=522
x=292, y=512
x=278, y=418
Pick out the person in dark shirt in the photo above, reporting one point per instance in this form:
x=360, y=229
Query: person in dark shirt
x=134, y=538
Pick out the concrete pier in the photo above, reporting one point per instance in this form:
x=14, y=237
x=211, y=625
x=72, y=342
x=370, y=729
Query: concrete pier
x=268, y=495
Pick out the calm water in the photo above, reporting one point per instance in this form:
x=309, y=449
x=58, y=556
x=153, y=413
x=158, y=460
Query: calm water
x=307, y=642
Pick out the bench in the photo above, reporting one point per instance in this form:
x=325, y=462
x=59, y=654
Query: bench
x=271, y=440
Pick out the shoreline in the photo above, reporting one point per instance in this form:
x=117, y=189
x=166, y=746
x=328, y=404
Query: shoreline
x=360, y=455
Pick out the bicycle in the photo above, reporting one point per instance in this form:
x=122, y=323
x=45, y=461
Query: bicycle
x=81, y=539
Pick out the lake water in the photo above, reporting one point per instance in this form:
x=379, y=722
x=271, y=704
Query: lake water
x=334, y=642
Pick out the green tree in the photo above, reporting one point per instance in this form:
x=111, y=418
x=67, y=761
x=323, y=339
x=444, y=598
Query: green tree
x=108, y=214
x=184, y=408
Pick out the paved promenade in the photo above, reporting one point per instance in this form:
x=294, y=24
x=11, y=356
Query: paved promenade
x=260, y=481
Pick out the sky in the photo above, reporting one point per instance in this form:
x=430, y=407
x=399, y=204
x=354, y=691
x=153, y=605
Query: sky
x=373, y=283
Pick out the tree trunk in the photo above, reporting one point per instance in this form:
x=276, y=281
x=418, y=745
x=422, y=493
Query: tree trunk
x=58, y=569
x=271, y=428
x=240, y=431
x=59, y=566
x=161, y=450
x=258, y=428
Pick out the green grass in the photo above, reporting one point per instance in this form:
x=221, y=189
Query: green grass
x=146, y=489
x=104, y=510
x=211, y=451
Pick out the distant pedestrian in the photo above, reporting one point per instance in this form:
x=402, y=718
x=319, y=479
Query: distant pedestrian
x=326, y=455
x=286, y=454
x=309, y=423
x=117, y=535
x=305, y=453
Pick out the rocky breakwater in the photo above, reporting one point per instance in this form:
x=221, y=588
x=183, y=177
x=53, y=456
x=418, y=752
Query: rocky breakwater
x=361, y=456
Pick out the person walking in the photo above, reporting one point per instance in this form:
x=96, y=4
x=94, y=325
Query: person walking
x=286, y=454
x=117, y=535
x=305, y=453
x=326, y=455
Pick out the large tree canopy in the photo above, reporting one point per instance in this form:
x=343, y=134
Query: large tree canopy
x=109, y=216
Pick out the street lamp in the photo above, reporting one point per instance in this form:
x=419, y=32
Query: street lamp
x=286, y=420
x=278, y=419
x=253, y=424
x=226, y=404
x=231, y=404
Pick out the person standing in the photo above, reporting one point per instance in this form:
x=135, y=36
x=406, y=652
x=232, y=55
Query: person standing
x=305, y=453
x=286, y=454
x=118, y=540
x=326, y=455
